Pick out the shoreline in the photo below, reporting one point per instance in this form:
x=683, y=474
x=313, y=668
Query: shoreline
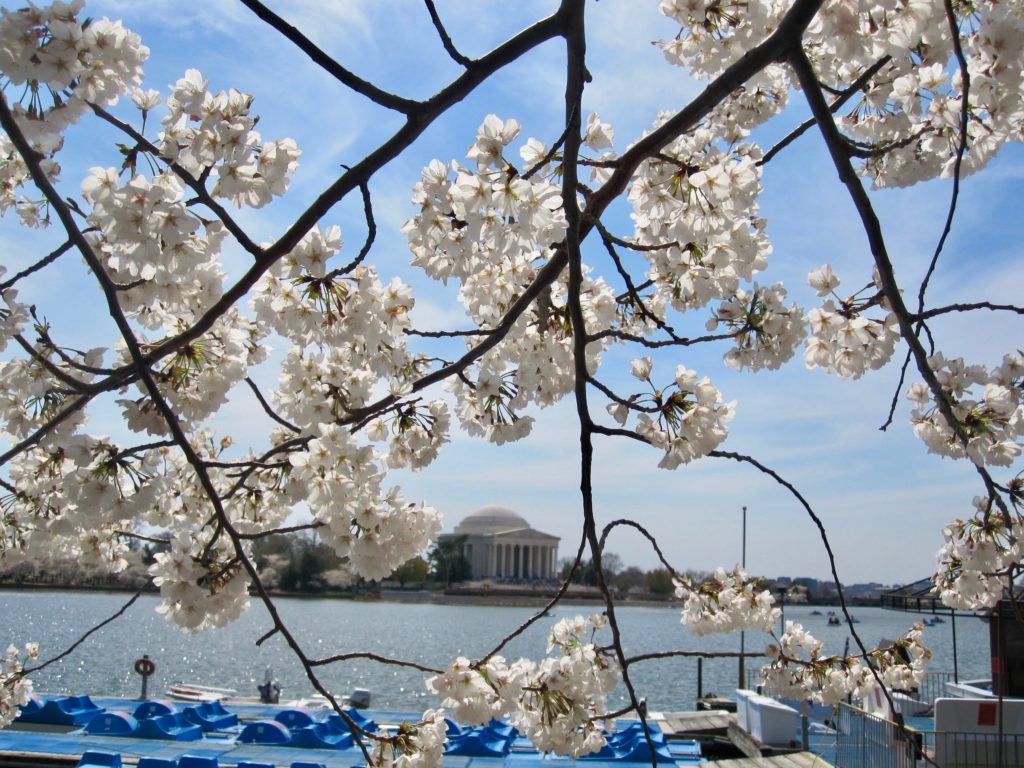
x=511, y=597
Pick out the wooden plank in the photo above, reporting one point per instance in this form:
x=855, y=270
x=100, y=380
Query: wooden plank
x=792, y=760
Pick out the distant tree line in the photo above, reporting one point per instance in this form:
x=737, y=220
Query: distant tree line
x=301, y=563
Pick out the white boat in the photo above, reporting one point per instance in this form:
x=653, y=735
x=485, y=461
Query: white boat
x=199, y=693
x=196, y=694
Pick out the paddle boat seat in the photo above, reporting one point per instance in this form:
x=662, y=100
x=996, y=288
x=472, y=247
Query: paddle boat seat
x=294, y=718
x=152, y=708
x=453, y=728
x=366, y=723
x=304, y=764
x=251, y=764
x=475, y=744
x=62, y=710
x=95, y=759
x=321, y=736
x=337, y=721
x=197, y=761
x=157, y=762
x=210, y=716
x=500, y=728
x=33, y=705
x=169, y=727
x=112, y=724
x=265, y=732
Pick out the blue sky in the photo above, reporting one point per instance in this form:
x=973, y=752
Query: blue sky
x=881, y=496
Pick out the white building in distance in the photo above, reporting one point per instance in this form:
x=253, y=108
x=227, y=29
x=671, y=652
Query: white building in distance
x=501, y=545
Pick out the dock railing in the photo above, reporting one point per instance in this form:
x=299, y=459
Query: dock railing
x=864, y=740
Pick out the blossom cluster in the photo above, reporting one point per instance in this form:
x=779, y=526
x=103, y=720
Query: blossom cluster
x=686, y=419
x=978, y=558
x=905, y=120
x=198, y=591
x=206, y=132
x=727, y=602
x=556, y=703
x=15, y=688
x=491, y=227
x=694, y=214
x=844, y=339
x=987, y=404
x=799, y=669
x=413, y=745
x=376, y=530
x=766, y=332
x=48, y=52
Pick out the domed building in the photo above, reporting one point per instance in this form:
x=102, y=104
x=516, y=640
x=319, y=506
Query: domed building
x=500, y=544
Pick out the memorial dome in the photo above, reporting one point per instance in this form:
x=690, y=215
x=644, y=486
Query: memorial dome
x=491, y=519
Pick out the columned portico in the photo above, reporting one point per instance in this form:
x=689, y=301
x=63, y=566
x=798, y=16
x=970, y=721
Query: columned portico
x=500, y=544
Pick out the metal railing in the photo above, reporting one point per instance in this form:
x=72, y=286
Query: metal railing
x=864, y=740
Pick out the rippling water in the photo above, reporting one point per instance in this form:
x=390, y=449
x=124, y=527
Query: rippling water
x=429, y=634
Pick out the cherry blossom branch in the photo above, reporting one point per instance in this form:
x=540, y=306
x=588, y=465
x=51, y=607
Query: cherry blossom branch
x=576, y=76
x=32, y=161
x=873, y=229
x=961, y=150
x=197, y=185
x=657, y=655
x=562, y=589
x=371, y=232
x=645, y=533
x=361, y=172
x=373, y=657
x=446, y=40
x=41, y=264
x=328, y=64
x=89, y=633
x=843, y=97
x=79, y=387
x=610, y=242
x=450, y=334
x=896, y=392
x=937, y=311
x=54, y=421
x=268, y=410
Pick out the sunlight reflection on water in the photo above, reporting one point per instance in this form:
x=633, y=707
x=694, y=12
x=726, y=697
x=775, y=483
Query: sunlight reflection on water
x=429, y=634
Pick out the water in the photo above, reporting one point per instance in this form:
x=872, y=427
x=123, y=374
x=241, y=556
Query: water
x=427, y=634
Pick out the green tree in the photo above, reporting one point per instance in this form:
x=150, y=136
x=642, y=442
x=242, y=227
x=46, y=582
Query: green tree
x=659, y=583
x=629, y=578
x=448, y=563
x=414, y=571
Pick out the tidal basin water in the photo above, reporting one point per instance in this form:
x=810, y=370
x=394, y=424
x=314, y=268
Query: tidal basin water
x=429, y=634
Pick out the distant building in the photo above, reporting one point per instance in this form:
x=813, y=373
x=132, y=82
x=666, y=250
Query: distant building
x=500, y=544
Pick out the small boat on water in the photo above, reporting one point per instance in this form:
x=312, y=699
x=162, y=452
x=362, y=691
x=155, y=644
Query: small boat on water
x=199, y=693
x=192, y=693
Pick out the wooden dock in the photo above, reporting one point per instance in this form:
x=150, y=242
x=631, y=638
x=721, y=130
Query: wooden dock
x=792, y=760
x=690, y=725
x=721, y=725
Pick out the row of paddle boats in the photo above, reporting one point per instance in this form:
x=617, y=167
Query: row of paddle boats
x=318, y=729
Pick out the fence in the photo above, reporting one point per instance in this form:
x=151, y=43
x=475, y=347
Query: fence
x=866, y=741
